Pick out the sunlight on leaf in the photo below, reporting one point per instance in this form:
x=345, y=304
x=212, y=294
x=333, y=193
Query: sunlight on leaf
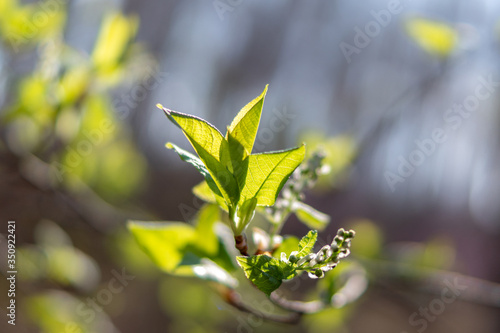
x=437, y=38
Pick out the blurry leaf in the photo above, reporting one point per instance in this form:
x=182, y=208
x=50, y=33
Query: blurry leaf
x=164, y=242
x=439, y=253
x=73, y=84
x=184, y=300
x=205, y=193
x=23, y=135
x=31, y=263
x=263, y=271
x=339, y=152
x=70, y=266
x=369, y=239
x=327, y=321
x=289, y=244
x=307, y=242
x=67, y=124
x=309, y=216
x=120, y=170
x=267, y=173
x=49, y=234
x=115, y=34
x=209, y=271
x=435, y=37
x=22, y=25
x=54, y=312
x=205, y=238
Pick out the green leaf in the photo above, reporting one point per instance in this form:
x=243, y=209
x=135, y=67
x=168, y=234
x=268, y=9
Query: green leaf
x=289, y=244
x=207, y=270
x=205, y=193
x=207, y=141
x=307, y=242
x=267, y=173
x=163, y=242
x=309, y=216
x=245, y=214
x=244, y=127
x=206, y=239
x=263, y=271
x=198, y=164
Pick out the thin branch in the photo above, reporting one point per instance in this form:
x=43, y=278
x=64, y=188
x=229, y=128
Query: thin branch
x=297, y=306
x=232, y=298
x=240, y=242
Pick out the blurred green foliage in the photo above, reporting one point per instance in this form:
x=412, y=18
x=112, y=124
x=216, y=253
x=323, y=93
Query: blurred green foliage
x=63, y=112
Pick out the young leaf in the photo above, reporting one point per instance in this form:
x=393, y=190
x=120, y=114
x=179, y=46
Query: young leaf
x=164, y=242
x=207, y=270
x=437, y=38
x=244, y=127
x=205, y=238
x=309, y=216
x=267, y=173
x=207, y=141
x=288, y=245
x=245, y=214
x=263, y=271
x=198, y=131
x=198, y=164
x=307, y=242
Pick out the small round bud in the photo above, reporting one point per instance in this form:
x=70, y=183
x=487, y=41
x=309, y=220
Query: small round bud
x=293, y=258
x=341, y=232
x=319, y=273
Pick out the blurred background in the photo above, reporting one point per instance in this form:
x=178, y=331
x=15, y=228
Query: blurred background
x=403, y=96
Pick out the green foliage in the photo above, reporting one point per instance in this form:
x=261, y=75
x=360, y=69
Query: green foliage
x=306, y=244
x=63, y=112
x=236, y=185
x=181, y=249
x=267, y=273
x=238, y=179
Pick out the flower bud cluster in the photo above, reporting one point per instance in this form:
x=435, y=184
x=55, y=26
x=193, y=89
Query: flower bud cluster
x=327, y=258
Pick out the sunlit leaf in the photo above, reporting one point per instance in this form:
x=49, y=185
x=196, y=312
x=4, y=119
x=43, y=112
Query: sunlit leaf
x=244, y=127
x=209, y=271
x=307, y=242
x=265, y=272
x=116, y=32
x=435, y=37
x=164, y=242
x=311, y=217
x=206, y=141
x=267, y=173
x=289, y=244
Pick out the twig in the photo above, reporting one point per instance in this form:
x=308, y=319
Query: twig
x=233, y=299
x=241, y=244
x=297, y=306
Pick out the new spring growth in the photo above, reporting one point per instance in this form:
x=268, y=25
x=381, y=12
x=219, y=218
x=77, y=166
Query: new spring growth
x=327, y=258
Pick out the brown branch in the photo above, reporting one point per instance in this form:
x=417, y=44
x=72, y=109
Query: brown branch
x=297, y=306
x=232, y=298
x=241, y=244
